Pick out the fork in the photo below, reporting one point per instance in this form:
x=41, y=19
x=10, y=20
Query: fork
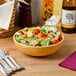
x=7, y=57
x=4, y=59
x=3, y=71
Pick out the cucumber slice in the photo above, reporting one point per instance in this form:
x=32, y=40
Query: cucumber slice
x=54, y=29
x=45, y=27
x=50, y=27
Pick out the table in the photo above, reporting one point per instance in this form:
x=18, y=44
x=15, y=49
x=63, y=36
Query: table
x=42, y=66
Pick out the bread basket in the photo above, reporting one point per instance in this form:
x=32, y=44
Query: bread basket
x=7, y=33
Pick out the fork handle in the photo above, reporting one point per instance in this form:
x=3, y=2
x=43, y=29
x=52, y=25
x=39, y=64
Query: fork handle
x=6, y=66
x=3, y=71
x=18, y=67
x=10, y=63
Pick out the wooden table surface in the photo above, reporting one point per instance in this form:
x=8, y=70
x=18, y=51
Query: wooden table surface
x=42, y=66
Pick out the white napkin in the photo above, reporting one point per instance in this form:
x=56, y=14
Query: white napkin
x=54, y=20
x=6, y=11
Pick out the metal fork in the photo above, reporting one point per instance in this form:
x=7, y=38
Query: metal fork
x=4, y=66
x=3, y=71
x=5, y=58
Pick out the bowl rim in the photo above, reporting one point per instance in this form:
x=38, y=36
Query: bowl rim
x=37, y=46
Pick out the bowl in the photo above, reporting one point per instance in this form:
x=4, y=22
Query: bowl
x=38, y=51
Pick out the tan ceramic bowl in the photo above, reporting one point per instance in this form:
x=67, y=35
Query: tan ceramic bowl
x=38, y=51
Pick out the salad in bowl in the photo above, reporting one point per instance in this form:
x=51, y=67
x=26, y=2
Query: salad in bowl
x=39, y=36
x=38, y=41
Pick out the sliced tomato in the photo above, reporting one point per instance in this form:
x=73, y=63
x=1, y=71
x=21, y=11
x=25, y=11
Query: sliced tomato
x=55, y=41
x=37, y=31
x=21, y=32
x=25, y=37
x=43, y=35
x=60, y=38
x=50, y=31
x=37, y=45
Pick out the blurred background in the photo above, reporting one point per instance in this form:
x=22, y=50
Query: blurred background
x=37, y=10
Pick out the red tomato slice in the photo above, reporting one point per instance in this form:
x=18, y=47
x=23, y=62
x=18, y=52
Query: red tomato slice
x=37, y=31
x=21, y=32
x=60, y=38
x=43, y=35
x=55, y=41
x=25, y=37
x=50, y=31
x=37, y=45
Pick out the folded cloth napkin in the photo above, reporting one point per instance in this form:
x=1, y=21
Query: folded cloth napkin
x=70, y=62
x=6, y=11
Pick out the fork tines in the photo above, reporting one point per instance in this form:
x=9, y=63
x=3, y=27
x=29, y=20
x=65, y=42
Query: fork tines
x=7, y=63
